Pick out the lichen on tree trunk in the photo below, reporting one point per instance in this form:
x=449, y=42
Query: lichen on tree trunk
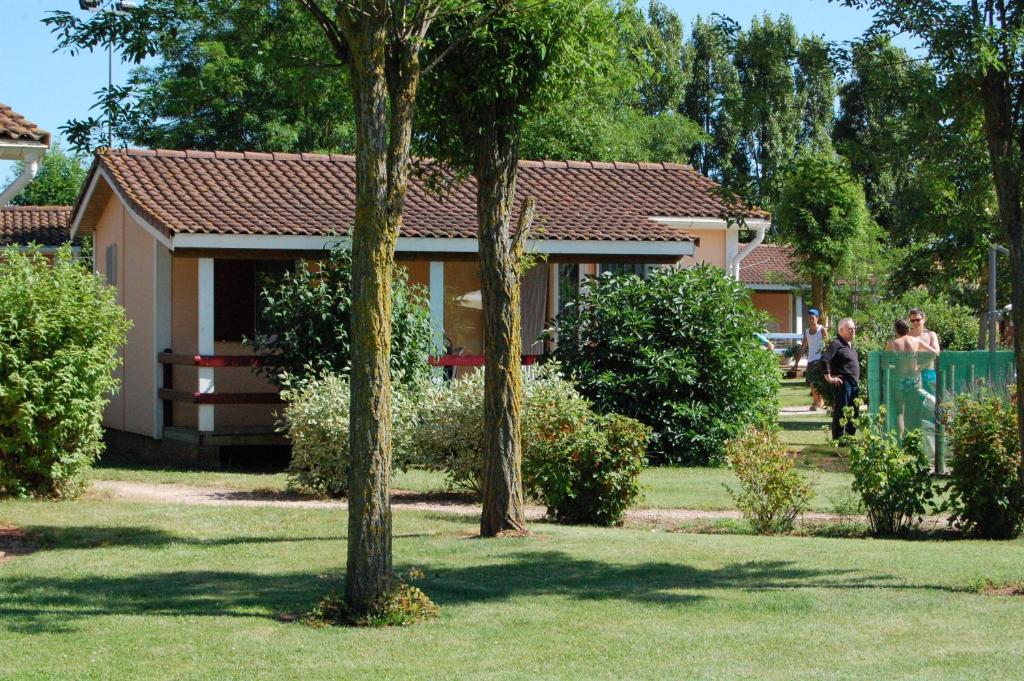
x=384, y=85
x=501, y=254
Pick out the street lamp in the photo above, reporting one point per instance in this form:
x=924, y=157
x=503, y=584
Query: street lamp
x=113, y=7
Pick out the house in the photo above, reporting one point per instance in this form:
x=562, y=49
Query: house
x=20, y=140
x=44, y=226
x=188, y=238
x=775, y=287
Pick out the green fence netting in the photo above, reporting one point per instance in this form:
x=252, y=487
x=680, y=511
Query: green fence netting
x=913, y=387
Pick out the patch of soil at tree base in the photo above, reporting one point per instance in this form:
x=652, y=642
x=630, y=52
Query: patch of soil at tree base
x=1004, y=589
x=13, y=542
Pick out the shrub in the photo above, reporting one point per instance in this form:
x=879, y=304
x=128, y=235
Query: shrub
x=893, y=479
x=400, y=605
x=307, y=316
x=316, y=418
x=678, y=353
x=773, y=494
x=985, y=492
x=60, y=332
x=583, y=466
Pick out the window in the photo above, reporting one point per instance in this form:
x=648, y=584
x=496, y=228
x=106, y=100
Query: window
x=236, y=295
x=637, y=268
x=111, y=263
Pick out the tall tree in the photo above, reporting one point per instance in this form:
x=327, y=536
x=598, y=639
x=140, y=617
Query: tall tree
x=821, y=213
x=979, y=45
x=478, y=101
x=767, y=110
x=381, y=42
x=57, y=183
x=925, y=173
x=816, y=84
x=240, y=75
x=711, y=98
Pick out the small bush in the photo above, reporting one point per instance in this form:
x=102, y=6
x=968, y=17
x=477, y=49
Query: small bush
x=581, y=465
x=586, y=467
x=985, y=494
x=60, y=332
x=773, y=494
x=316, y=419
x=306, y=318
x=893, y=480
x=676, y=351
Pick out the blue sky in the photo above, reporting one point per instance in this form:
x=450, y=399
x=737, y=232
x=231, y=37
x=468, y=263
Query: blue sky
x=49, y=89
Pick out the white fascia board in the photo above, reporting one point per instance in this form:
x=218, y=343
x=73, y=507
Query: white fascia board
x=432, y=245
x=705, y=223
x=153, y=231
x=774, y=287
x=21, y=150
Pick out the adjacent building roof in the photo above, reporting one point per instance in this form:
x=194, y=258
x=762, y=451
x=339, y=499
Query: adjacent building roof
x=195, y=192
x=14, y=126
x=769, y=264
x=43, y=225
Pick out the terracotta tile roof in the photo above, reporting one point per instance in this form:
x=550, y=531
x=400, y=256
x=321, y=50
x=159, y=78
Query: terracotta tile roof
x=14, y=126
x=43, y=225
x=769, y=264
x=291, y=194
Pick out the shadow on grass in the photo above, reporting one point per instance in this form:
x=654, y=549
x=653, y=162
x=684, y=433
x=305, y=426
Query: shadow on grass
x=59, y=537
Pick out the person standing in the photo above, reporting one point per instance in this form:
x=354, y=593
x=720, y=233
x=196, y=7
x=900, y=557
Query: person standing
x=812, y=344
x=842, y=370
x=931, y=340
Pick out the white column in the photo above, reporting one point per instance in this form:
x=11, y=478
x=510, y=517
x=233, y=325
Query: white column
x=799, y=314
x=553, y=298
x=437, y=304
x=205, y=346
x=161, y=325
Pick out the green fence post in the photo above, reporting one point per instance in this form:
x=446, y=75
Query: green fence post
x=874, y=381
x=940, y=437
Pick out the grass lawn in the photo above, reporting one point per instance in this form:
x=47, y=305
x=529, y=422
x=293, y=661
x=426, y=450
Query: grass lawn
x=123, y=590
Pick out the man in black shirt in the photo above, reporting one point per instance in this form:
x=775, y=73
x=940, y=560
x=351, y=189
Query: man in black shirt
x=842, y=370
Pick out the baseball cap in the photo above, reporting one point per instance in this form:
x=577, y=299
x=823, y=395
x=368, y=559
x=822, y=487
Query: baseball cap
x=814, y=311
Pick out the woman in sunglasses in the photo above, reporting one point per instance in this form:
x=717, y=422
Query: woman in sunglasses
x=931, y=339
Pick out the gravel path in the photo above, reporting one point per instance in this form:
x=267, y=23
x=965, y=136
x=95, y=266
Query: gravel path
x=400, y=500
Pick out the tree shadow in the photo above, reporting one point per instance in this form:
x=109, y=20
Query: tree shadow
x=37, y=604
x=61, y=537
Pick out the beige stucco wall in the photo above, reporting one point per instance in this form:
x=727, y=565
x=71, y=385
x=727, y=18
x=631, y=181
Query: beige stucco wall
x=133, y=408
x=779, y=306
x=712, y=248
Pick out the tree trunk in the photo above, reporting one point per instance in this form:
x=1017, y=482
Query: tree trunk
x=1005, y=155
x=500, y=274
x=384, y=87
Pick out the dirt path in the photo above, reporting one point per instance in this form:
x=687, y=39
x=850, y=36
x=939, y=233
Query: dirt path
x=400, y=500
x=13, y=542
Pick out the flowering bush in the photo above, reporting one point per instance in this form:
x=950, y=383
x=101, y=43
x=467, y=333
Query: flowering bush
x=772, y=492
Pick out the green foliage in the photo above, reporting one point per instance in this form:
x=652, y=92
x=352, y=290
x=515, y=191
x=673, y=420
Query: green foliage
x=956, y=325
x=230, y=74
x=773, y=494
x=985, y=489
x=893, y=479
x=316, y=419
x=676, y=352
x=400, y=604
x=822, y=215
x=57, y=183
x=584, y=467
x=449, y=436
x=306, y=320
x=60, y=333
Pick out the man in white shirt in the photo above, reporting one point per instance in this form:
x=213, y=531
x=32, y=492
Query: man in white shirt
x=813, y=342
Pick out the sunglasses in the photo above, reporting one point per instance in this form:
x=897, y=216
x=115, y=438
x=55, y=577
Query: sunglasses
x=917, y=320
